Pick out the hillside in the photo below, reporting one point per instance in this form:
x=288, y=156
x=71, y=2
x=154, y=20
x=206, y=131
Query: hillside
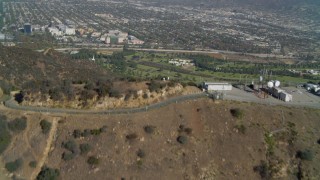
x=20, y=66
x=200, y=139
x=53, y=79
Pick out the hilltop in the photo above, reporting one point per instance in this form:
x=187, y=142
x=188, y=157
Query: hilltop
x=198, y=139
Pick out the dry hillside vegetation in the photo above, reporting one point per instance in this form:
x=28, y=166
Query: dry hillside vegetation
x=55, y=80
x=199, y=139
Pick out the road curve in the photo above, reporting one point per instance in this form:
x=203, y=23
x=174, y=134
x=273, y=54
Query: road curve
x=12, y=104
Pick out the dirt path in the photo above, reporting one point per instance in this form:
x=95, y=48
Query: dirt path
x=46, y=150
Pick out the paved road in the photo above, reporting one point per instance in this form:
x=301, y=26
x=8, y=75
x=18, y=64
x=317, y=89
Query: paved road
x=235, y=95
x=14, y=105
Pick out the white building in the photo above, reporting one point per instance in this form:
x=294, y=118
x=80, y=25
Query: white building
x=210, y=86
x=286, y=97
x=69, y=31
x=108, y=40
x=54, y=31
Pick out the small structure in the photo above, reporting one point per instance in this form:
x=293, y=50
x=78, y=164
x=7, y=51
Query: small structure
x=273, y=88
x=211, y=86
x=93, y=58
x=27, y=28
x=284, y=96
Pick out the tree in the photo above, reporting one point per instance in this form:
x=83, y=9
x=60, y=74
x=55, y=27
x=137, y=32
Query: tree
x=45, y=126
x=85, y=148
x=48, y=174
x=14, y=165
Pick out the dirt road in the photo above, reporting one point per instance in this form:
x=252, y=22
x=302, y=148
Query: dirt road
x=46, y=151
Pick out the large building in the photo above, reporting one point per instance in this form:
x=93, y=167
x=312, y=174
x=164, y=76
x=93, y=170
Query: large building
x=210, y=86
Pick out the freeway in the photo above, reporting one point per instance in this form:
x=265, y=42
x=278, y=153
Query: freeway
x=205, y=51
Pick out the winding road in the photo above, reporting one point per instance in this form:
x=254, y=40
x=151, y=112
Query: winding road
x=12, y=104
x=234, y=95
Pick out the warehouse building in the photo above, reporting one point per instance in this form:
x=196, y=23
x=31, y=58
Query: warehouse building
x=210, y=86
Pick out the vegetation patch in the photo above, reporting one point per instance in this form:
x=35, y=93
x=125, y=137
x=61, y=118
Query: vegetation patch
x=70, y=145
x=18, y=124
x=183, y=129
x=271, y=143
x=262, y=169
x=45, y=126
x=48, y=174
x=182, y=139
x=141, y=153
x=5, y=137
x=241, y=128
x=131, y=137
x=87, y=132
x=237, y=113
x=93, y=160
x=14, y=165
x=149, y=129
x=85, y=148
x=67, y=156
x=33, y=164
x=305, y=155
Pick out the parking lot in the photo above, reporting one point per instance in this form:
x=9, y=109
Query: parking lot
x=301, y=97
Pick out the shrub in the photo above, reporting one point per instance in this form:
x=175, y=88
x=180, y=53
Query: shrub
x=103, y=129
x=238, y=113
x=33, y=164
x=76, y=133
x=318, y=141
x=149, y=129
x=70, y=145
x=131, y=136
x=93, y=160
x=241, y=128
x=141, y=153
x=145, y=96
x=115, y=93
x=305, y=155
x=19, y=97
x=262, y=169
x=84, y=148
x=188, y=131
x=86, y=133
x=5, y=137
x=48, y=174
x=182, y=139
x=95, y=132
x=68, y=156
x=14, y=165
x=155, y=86
x=45, y=126
x=18, y=124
